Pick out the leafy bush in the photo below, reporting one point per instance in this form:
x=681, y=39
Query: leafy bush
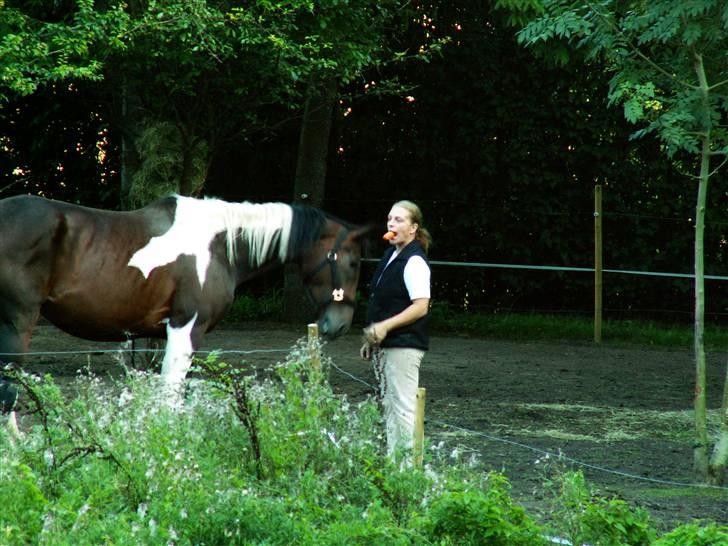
x=693, y=534
x=268, y=306
x=272, y=459
x=476, y=516
x=24, y=504
x=587, y=518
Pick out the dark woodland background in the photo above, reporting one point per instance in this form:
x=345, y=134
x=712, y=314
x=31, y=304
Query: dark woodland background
x=500, y=149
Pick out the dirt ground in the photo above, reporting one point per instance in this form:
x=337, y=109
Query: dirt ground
x=621, y=415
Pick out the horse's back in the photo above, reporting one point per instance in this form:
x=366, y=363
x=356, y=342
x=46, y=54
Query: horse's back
x=28, y=225
x=71, y=263
x=23, y=218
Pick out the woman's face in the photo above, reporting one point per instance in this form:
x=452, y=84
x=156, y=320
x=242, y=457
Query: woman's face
x=400, y=223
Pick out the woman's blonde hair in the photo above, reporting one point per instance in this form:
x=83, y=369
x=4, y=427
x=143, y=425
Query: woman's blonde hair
x=423, y=235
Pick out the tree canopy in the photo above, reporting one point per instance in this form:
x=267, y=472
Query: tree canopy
x=488, y=138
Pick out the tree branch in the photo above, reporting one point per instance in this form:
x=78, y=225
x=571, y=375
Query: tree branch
x=636, y=50
x=715, y=171
x=716, y=85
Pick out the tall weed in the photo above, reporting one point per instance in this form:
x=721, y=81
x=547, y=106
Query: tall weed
x=275, y=458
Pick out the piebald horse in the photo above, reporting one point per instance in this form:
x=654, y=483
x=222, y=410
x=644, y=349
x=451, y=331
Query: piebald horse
x=168, y=270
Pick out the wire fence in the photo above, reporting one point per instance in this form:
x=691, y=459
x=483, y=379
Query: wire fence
x=443, y=424
x=556, y=456
x=565, y=268
x=503, y=292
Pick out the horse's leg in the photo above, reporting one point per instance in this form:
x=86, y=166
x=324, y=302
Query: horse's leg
x=177, y=357
x=8, y=398
x=15, y=329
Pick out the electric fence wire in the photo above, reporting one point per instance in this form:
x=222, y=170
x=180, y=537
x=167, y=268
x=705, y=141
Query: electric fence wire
x=565, y=268
x=544, y=452
x=557, y=456
x=116, y=351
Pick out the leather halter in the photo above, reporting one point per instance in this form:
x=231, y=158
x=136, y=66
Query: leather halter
x=331, y=259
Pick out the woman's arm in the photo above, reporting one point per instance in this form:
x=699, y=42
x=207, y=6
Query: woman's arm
x=377, y=331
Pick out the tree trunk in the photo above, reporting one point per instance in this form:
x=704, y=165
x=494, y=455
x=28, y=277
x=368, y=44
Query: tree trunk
x=310, y=181
x=700, y=450
x=713, y=472
x=131, y=121
x=186, y=182
x=130, y=124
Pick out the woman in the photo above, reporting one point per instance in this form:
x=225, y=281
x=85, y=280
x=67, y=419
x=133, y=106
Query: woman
x=396, y=333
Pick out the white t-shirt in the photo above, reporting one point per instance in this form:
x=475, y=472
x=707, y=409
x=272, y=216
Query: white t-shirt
x=416, y=276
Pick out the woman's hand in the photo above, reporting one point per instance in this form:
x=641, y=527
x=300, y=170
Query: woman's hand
x=375, y=333
x=366, y=351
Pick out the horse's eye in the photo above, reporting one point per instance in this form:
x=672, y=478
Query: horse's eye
x=354, y=264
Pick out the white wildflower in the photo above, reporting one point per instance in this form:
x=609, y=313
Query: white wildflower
x=332, y=437
x=48, y=521
x=125, y=397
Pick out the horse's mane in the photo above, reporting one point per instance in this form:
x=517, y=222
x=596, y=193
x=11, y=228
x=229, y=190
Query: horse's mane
x=267, y=230
x=305, y=229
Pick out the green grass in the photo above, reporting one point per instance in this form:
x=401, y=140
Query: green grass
x=680, y=492
x=269, y=306
x=448, y=320
x=517, y=327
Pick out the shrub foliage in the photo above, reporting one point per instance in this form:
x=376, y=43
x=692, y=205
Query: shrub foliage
x=270, y=458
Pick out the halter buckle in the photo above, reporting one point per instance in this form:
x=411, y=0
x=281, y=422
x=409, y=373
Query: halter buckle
x=338, y=294
x=332, y=256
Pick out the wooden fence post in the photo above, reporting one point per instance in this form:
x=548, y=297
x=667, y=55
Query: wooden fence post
x=598, y=286
x=419, y=443
x=314, y=347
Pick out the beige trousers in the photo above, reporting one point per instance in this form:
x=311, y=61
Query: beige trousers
x=398, y=372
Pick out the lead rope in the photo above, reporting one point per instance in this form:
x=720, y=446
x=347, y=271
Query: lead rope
x=379, y=376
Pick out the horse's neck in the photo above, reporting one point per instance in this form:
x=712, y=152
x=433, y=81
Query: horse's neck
x=259, y=254
x=260, y=232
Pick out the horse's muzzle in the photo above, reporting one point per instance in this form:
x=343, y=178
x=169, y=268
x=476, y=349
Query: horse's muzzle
x=331, y=329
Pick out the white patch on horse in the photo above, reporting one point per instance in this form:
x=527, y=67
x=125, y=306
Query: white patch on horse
x=12, y=426
x=178, y=355
x=264, y=227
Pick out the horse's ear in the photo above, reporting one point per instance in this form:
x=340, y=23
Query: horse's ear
x=361, y=235
x=362, y=231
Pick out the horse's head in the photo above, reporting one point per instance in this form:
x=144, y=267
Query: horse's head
x=331, y=275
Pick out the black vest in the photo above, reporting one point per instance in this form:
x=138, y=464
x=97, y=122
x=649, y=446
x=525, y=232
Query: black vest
x=388, y=296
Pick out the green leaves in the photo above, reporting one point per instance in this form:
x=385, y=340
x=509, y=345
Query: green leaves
x=35, y=52
x=679, y=47
x=633, y=111
x=651, y=50
x=695, y=535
